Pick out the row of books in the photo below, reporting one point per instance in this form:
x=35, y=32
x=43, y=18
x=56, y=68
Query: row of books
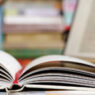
x=22, y=16
x=33, y=28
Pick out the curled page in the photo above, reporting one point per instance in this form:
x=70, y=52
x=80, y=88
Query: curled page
x=51, y=58
x=9, y=63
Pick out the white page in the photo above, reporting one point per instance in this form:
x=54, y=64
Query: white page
x=5, y=84
x=9, y=63
x=70, y=92
x=6, y=74
x=59, y=87
x=56, y=58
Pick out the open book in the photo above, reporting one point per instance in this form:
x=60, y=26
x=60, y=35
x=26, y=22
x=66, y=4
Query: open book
x=48, y=72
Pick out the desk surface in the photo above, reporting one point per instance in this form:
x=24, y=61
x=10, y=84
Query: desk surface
x=50, y=93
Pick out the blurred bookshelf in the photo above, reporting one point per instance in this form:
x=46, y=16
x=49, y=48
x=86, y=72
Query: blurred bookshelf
x=34, y=28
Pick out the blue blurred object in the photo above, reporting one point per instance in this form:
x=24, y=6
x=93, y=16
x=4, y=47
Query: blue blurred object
x=1, y=26
x=69, y=8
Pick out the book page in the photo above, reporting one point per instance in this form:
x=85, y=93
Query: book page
x=56, y=58
x=88, y=41
x=81, y=40
x=59, y=87
x=9, y=63
x=59, y=76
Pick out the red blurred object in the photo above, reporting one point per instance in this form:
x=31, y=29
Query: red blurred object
x=24, y=62
x=66, y=28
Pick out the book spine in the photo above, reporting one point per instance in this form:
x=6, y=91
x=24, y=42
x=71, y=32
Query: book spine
x=30, y=28
x=1, y=26
x=32, y=53
x=69, y=7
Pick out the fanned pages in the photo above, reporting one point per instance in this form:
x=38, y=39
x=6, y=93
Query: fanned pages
x=57, y=58
x=8, y=68
x=47, y=72
x=9, y=63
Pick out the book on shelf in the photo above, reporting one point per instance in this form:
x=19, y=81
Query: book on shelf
x=69, y=8
x=39, y=15
x=1, y=24
x=33, y=28
x=39, y=40
x=47, y=72
x=29, y=24
x=33, y=53
x=32, y=8
x=20, y=20
x=35, y=44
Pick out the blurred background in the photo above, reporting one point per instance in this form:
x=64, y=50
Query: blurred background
x=34, y=28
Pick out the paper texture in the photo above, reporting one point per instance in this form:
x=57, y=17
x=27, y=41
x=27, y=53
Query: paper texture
x=88, y=40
